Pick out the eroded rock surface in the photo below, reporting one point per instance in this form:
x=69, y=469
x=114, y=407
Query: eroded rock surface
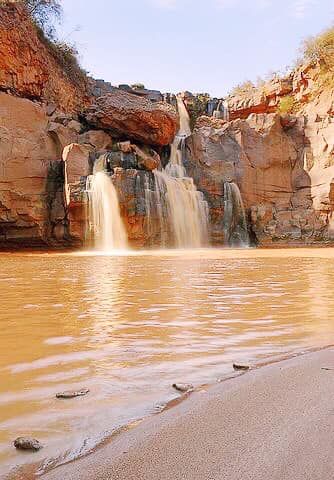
x=27, y=67
x=287, y=201
x=282, y=164
x=26, y=151
x=134, y=117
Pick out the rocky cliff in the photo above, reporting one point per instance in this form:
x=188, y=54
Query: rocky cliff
x=282, y=162
x=53, y=126
x=29, y=66
x=56, y=129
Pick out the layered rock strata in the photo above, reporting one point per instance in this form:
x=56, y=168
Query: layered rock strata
x=55, y=131
x=28, y=67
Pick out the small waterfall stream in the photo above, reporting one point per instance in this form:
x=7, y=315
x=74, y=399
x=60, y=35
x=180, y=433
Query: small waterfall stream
x=104, y=218
x=235, y=223
x=181, y=208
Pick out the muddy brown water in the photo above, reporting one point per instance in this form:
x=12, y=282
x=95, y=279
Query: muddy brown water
x=128, y=326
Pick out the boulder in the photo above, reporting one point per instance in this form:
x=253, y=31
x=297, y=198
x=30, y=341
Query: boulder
x=128, y=156
x=62, y=135
x=133, y=186
x=97, y=139
x=75, y=126
x=76, y=158
x=147, y=161
x=134, y=117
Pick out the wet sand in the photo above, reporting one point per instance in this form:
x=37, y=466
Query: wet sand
x=275, y=422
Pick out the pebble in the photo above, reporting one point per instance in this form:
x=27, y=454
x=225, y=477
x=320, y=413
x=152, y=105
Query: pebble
x=73, y=394
x=27, y=443
x=183, y=387
x=240, y=367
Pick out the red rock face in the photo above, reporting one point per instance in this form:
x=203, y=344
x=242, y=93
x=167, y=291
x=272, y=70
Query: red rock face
x=134, y=117
x=301, y=85
x=287, y=202
x=28, y=69
x=26, y=151
x=262, y=100
x=284, y=165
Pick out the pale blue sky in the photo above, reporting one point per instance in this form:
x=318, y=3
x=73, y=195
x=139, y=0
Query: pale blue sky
x=198, y=45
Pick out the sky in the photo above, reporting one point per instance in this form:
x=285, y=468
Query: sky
x=197, y=45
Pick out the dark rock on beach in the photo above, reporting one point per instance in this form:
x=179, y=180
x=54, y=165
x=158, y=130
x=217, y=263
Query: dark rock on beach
x=240, y=367
x=27, y=443
x=183, y=387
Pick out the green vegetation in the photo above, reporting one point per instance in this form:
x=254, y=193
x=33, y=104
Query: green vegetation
x=138, y=86
x=197, y=107
x=65, y=55
x=320, y=49
x=317, y=50
x=286, y=104
x=243, y=89
x=45, y=14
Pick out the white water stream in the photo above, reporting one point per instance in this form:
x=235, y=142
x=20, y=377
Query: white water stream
x=182, y=209
x=105, y=222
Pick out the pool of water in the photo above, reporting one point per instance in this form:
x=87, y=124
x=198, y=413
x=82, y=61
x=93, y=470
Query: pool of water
x=128, y=326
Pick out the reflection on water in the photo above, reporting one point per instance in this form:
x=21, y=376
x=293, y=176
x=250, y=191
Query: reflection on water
x=129, y=326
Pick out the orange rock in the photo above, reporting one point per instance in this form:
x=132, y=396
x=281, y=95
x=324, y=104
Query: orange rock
x=134, y=117
x=286, y=203
x=27, y=66
x=76, y=158
x=26, y=151
x=97, y=139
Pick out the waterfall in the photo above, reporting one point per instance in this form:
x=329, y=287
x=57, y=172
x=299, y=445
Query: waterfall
x=234, y=221
x=105, y=223
x=180, y=207
x=185, y=129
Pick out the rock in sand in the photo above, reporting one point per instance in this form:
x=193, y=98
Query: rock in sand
x=183, y=387
x=73, y=394
x=27, y=443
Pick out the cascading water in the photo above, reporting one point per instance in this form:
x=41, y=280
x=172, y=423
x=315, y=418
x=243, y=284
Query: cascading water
x=181, y=208
x=105, y=222
x=235, y=223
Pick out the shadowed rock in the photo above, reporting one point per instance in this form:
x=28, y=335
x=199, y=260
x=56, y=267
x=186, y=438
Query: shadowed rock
x=183, y=387
x=240, y=367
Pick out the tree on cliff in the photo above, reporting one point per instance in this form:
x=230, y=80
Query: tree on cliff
x=45, y=13
x=320, y=49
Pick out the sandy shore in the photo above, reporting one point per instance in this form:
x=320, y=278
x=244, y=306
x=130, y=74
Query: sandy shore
x=275, y=422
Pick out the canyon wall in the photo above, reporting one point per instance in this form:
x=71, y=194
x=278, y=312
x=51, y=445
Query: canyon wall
x=29, y=66
x=54, y=130
x=53, y=126
x=282, y=163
